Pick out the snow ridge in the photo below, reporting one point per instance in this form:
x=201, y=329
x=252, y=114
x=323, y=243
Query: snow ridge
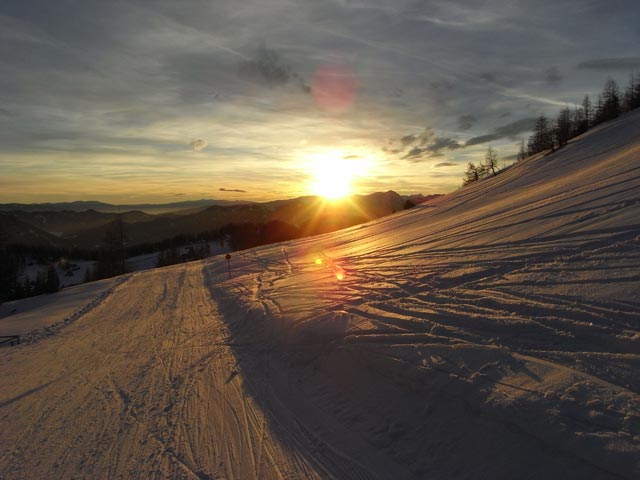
x=53, y=329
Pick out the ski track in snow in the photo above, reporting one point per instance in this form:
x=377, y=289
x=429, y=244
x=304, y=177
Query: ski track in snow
x=492, y=333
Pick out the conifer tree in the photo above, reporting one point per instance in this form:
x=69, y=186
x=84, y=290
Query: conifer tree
x=608, y=102
x=53, y=281
x=577, y=122
x=587, y=111
x=542, y=138
x=632, y=94
x=112, y=259
x=562, y=128
x=88, y=275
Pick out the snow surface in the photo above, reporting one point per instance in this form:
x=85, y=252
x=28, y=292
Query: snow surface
x=148, y=261
x=491, y=333
x=35, y=315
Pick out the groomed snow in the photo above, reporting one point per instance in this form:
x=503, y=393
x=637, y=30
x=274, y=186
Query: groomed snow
x=491, y=333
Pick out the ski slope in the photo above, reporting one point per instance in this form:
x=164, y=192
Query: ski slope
x=491, y=333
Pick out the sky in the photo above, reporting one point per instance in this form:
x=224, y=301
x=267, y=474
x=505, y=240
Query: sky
x=162, y=101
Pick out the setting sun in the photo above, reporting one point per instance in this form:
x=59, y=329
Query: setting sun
x=333, y=176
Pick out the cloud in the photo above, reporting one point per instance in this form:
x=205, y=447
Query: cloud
x=415, y=153
x=432, y=148
x=267, y=67
x=440, y=143
x=198, y=144
x=510, y=130
x=514, y=128
x=465, y=122
x=488, y=77
x=408, y=139
x=423, y=145
x=552, y=76
x=237, y=190
x=481, y=139
x=609, y=64
x=445, y=164
x=417, y=140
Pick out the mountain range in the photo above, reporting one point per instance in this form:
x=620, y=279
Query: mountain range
x=75, y=227
x=84, y=205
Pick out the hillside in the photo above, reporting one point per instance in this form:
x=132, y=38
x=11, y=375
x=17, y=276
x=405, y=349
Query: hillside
x=310, y=214
x=490, y=333
x=67, y=224
x=13, y=231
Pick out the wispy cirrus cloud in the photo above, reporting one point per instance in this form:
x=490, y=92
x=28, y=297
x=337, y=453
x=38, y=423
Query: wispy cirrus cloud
x=510, y=130
x=445, y=164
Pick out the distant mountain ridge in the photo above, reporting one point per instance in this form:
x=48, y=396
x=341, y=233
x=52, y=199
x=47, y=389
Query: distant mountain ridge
x=16, y=231
x=309, y=215
x=84, y=205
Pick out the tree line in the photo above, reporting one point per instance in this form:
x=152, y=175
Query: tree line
x=12, y=287
x=489, y=167
x=569, y=123
x=611, y=103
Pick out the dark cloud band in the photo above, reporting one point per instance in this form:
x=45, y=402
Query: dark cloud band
x=610, y=64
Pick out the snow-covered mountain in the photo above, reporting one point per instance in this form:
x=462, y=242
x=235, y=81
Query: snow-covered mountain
x=490, y=333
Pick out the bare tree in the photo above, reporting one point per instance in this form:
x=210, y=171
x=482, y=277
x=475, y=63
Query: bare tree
x=522, y=154
x=491, y=161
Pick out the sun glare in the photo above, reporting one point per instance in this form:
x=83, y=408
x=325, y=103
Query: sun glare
x=333, y=176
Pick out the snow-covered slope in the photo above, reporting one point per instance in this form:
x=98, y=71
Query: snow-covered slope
x=491, y=333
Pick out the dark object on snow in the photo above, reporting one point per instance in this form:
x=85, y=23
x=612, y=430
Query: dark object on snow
x=10, y=339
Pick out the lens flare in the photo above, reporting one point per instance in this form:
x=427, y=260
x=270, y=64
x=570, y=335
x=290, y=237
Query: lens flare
x=334, y=88
x=318, y=261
